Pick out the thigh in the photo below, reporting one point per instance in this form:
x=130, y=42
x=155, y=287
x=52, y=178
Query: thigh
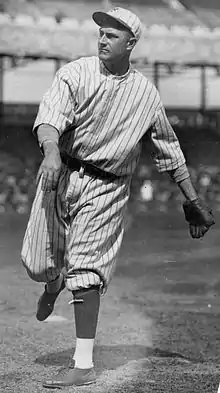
x=44, y=241
x=96, y=233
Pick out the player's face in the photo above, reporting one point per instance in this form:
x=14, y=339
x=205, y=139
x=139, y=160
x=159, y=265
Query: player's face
x=114, y=44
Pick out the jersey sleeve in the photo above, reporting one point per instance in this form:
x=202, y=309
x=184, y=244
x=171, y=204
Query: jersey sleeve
x=166, y=151
x=59, y=102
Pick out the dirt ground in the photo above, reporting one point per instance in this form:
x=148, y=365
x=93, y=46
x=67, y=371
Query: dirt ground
x=159, y=322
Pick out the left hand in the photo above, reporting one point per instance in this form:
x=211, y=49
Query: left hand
x=199, y=217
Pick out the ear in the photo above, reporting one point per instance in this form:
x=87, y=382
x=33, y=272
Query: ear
x=131, y=43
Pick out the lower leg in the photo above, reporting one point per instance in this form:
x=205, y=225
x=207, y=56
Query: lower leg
x=54, y=286
x=47, y=300
x=86, y=319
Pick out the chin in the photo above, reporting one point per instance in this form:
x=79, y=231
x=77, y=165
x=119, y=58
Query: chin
x=104, y=56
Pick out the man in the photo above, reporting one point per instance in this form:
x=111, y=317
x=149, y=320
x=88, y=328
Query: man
x=89, y=127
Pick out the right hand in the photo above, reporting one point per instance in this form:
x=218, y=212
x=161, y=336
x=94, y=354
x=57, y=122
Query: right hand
x=50, y=167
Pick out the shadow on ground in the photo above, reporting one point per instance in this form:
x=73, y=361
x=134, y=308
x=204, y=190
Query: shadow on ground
x=110, y=357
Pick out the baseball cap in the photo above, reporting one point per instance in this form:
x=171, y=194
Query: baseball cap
x=122, y=16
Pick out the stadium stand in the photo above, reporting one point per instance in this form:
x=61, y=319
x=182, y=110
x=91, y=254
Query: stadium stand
x=207, y=11
x=193, y=12
x=210, y=4
x=172, y=34
x=150, y=11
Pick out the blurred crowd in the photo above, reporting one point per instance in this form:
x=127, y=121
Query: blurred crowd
x=17, y=183
x=153, y=190
x=150, y=190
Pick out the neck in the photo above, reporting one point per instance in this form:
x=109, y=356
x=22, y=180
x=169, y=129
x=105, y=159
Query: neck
x=117, y=68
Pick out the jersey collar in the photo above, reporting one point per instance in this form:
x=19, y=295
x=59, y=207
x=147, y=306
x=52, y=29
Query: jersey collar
x=106, y=72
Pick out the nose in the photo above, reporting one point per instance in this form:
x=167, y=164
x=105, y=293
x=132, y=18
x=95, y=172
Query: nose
x=102, y=39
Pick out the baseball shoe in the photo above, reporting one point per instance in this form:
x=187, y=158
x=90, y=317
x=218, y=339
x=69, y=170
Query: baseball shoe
x=71, y=376
x=46, y=303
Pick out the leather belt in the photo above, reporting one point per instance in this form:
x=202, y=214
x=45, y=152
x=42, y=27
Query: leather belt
x=90, y=169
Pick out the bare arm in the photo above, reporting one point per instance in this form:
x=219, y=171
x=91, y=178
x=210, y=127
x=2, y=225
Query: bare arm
x=187, y=189
x=47, y=133
x=182, y=178
x=51, y=164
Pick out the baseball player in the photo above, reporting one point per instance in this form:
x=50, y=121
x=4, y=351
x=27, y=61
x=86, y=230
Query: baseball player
x=89, y=126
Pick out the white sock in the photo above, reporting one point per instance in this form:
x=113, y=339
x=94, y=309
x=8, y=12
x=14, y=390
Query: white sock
x=55, y=285
x=83, y=355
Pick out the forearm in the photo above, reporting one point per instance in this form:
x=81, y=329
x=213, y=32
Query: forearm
x=48, y=138
x=182, y=178
x=48, y=146
x=47, y=132
x=187, y=189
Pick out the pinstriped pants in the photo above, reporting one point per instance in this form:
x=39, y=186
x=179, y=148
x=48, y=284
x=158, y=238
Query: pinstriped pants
x=78, y=227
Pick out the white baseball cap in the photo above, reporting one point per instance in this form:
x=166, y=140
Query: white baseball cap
x=122, y=16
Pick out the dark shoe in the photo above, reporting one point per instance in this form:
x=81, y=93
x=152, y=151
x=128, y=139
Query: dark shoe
x=46, y=303
x=71, y=376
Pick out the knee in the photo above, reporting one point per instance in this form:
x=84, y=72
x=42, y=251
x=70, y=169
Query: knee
x=82, y=279
x=85, y=292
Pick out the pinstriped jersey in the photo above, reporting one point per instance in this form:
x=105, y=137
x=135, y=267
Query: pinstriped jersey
x=101, y=118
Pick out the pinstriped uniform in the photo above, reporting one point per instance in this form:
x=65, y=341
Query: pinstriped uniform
x=100, y=118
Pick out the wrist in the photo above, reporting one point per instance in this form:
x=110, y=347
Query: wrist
x=193, y=199
x=49, y=146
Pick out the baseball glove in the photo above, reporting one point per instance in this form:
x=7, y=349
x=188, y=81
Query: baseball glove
x=199, y=217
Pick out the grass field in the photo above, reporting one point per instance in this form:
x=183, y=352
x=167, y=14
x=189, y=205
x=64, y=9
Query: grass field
x=159, y=321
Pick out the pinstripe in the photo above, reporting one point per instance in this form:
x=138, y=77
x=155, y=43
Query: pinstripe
x=61, y=244
x=36, y=234
x=150, y=110
x=97, y=114
x=100, y=118
x=163, y=148
x=96, y=231
x=87, y=104
x=131, y=118
x=135, y=139
x=167, y=151
x=100, y=230
x=107, y=126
